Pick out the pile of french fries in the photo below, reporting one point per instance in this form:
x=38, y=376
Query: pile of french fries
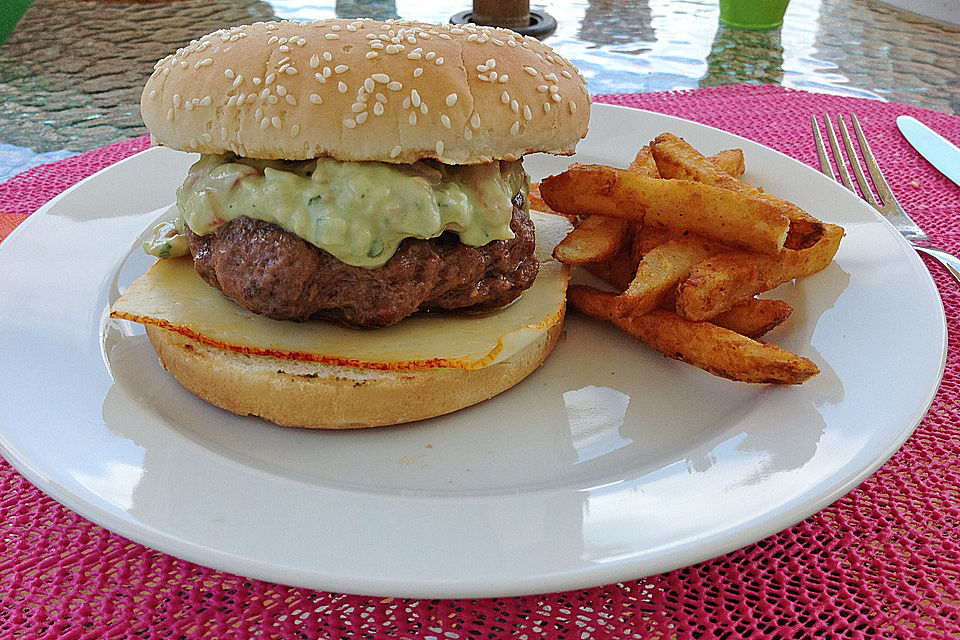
x=688, y=246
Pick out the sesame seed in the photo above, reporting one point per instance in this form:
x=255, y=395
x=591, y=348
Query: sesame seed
x=327, y=72
x=291, y=71
x=314, y=61
x=357, y=107
x=315, y=99
x=206, y=62
x=417, y=72
x=395, y=85
x=376, y=44
x=264, y=123
x=291, y=100
x=504, y=78
x=395, y=151
x=362, y=117
x=258, y=114
x=371, y=55
x=472, y=37
x=573, y=106
x=415, y=98
x=327, y=56
x=380, y=97
x=414, y=55
x=475, y=120
x=554, y=88
x=378, y=108
x=467, y=134
x=205, y=102
x=556, y=97
x=530, y=70
x=491, y=63
x=231, y=101
x=546, y=107
x=228, y=73
x=223, y=133
x=368, y=85
x=515, y=106
x=342, y=87
x=413, y=118
x=177, y=101
x=505, y=97
x=331, y=36
x=263, y=94
x=273, y=39
x=527, y=114
x=515, y=129
x=275, y=121
x=439, y=147
x=482, y=68
x=349, y=124
x=281, y=90
x=431, y=55
x=445, y=120
x=551, y=76
x=170, y=115
x=257, y=81
x=382, y=78
x=542, y=88
x=295, y=130
x=237, y=81
x=566, y=74
x=340, y=68
x=319, y=77
x=284, y=48
x=406, y=103
x=423, y=108
x=270, y=78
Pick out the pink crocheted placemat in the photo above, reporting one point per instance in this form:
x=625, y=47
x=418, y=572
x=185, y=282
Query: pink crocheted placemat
x=883, y=561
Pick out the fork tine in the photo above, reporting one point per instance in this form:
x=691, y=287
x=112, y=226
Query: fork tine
x=838, y=155
x=821, y=150
x=883, y=189
x=855, y=163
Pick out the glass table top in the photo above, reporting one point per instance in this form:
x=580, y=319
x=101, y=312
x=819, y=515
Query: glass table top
x=72, y=71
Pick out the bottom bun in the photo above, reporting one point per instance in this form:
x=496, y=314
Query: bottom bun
x=306, y=394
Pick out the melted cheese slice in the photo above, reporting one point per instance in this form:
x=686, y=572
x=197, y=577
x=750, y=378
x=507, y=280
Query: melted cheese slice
x=171, y=295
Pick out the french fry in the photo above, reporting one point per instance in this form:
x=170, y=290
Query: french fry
x=740, y=219
x=596, y=239
x=536, y=202
x=675, y=158
x=719, y=351
x=644, y=163
x=730, y=161
x=719, y=282
x=661, y=269
x=753, y=317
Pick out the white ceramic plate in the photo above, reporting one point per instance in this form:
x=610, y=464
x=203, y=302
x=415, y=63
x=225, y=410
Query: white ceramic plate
x=609, y=463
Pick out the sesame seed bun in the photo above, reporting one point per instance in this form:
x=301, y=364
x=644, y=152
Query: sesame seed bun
x=365, y=90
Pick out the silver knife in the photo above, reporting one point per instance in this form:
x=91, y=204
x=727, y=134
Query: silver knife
x=937, y=150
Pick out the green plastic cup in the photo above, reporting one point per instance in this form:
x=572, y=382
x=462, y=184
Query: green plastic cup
x=10, y=13
x=759, y=15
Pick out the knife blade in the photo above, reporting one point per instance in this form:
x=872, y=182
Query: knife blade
x=937, y=150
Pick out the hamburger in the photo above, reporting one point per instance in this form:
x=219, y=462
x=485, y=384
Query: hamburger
x=354, y=245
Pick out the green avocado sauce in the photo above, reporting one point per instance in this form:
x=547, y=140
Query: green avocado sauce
x=357, y=211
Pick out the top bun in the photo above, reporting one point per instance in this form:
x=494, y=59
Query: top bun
x=359, y=90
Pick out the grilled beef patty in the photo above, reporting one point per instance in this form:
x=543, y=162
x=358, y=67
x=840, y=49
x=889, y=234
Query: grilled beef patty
x=271, y=271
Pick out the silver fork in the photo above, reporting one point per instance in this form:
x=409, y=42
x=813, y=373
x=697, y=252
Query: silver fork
x=887, y=205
